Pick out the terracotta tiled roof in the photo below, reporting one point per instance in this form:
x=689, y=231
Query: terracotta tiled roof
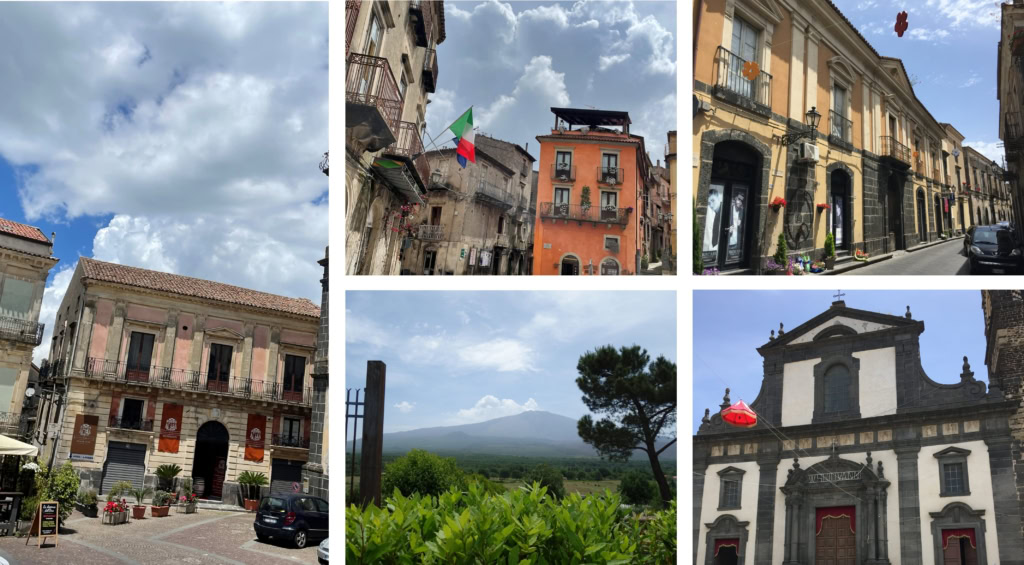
x=23, y=231
x=197, y=288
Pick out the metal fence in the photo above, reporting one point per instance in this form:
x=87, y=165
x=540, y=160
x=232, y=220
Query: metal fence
x=371, y=82
x=895, y=149
x=25, y=331
x=585, y=213
x=729, y=76
x=841, y=128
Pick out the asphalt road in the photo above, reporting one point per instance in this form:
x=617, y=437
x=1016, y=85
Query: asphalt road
x=942, y=259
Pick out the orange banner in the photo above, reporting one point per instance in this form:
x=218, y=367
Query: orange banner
x=254, y=437
x=170, y=429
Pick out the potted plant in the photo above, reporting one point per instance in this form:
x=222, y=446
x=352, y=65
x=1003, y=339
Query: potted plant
x=830, y=251
x=823, y=206
x=139, y=509
x=778, y=264
x=778, y=202
x=251, y=484
x=161, y=504
x=188, y=503
x=585, y=199
x=87, y=503
x=860, y=256
x=166, y=474
x=115, y=512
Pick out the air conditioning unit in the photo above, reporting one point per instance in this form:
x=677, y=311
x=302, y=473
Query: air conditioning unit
x=808, y=152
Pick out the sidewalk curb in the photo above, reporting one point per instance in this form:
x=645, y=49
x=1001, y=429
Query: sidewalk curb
x=887, y=256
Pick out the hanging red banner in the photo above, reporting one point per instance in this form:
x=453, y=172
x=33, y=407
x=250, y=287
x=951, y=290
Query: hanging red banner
x=959, y=533
x=728, y=542
x=170, y=428
x=849, y=512
x=254, y=437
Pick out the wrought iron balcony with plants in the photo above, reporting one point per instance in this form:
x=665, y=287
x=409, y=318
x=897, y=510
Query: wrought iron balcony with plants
x=731, y=82
x=137, y=424
x=840, y=129
x=599, y=214
x=430, y=70
x=24, y=331
x=408, y=144
x=428, y=232
x=563, y=172
x=370, y=82
x=609, y=175
x=195, y=381
x=289, y=440
x=895, y=150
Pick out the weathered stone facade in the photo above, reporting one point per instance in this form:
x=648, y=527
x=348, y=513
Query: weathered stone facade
x=314, y=473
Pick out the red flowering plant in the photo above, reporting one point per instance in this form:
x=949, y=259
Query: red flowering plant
x=778, y=202
x=824, y=206
x=114, y=506
x=403, y=220
x=188, y=499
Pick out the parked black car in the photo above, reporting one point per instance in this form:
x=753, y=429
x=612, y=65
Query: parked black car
x=298, y=518
x=994, y=248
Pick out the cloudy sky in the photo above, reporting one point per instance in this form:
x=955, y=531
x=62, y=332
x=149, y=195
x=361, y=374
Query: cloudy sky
x=181, y=137
x=724, y=351
x=463, y=357
x=950, y=47
x=514, y=61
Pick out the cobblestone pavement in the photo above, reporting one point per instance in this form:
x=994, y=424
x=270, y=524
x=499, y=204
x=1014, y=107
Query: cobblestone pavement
x=942, y=259
x=204, y=538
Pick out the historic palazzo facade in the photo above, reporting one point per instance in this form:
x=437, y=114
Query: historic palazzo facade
x=858, y=457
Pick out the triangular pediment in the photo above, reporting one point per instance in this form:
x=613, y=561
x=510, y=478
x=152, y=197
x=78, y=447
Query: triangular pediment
x=839, y=321
x=224, y=333
x=768, y=8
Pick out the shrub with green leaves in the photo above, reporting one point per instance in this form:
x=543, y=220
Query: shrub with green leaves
x=637, y=487
x=548, y=477
x=522, y=526
x=117, y=490
x=489, y=486
x=60, y=484
x=88, y=498
x=422, y=472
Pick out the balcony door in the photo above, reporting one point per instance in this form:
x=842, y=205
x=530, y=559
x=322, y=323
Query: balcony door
x=609, y=168
x=561, y=202
x=140, y=354
x=840, y=199
x=219, y=367
x=609, y=205
x=291, y=432
x=372, y=48
x=744, y=47
x=294, y=377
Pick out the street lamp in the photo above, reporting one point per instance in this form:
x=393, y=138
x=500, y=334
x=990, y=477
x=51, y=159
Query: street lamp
x=812, y=118
x=435, y=177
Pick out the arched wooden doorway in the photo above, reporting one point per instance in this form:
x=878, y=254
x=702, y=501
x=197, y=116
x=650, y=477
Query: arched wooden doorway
x=730, y=218
x=209, y=464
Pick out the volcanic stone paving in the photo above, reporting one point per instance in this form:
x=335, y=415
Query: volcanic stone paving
x=204, y=538
x=942, y=259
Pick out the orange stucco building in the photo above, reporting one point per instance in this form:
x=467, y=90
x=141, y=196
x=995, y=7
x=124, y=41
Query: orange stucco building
x=590, y=180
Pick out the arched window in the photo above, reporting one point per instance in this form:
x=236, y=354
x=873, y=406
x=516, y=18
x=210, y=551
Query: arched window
x=609, y=267
x=837, y=389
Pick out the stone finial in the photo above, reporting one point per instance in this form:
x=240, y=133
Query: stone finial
x=707, y=416
x=772, y=337
x=796, y=463
x=908, y=315
x=881, y=471
x=967, y=374
x=869, y=459
x=781, y=331
x=725, y=400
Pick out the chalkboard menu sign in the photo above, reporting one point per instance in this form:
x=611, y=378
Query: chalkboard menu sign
x=44, y=524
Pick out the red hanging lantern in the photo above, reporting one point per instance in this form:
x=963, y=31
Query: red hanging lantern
x=740, y=415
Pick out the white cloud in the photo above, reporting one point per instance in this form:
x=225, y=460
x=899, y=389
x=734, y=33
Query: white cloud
x=554, y=13
x=490, y=407
x=53, y=294
x=591, y=24
x=990, y=149
x=540, y=86
x=605, y=61
x=405, y=407
x=867, y=4
x=186, y=123
x=971, y=81
x=501, y=354
x=982, y=13
x=924, y=34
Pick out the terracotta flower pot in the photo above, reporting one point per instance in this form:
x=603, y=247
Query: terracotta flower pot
x=159, y=511
x=252, y=505
x=138, y=512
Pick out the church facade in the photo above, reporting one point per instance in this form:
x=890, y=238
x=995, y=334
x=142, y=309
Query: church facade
x=858, y=457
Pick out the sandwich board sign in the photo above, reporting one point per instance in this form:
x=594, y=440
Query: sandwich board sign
x=44, y=524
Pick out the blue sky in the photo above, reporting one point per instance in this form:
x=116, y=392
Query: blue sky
x=462, y=357
x=724, y=351
x=181, y=137
x=611, y=56
x=950, y=47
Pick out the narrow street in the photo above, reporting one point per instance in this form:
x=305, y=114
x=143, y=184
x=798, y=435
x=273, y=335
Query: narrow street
x=942, y=259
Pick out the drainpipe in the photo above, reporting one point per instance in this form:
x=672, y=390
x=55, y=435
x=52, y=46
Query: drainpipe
x=63, y=394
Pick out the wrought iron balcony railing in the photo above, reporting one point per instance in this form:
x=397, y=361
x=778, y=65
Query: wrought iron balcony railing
x=895, y=150
x=608, y=215
x=491, y=193
x=183, y=379
x=408, y=144
x=430, y=233
x=841, y=128
x=430, y=70
x=729, y=76
x=609, y=175
x=24, y=331
x=10, y=423
x=351, y=15
x=563, y=172
x=1013, y=137
x=289, y=440
x=422, y=14
x=130, y=424
x=370, y=82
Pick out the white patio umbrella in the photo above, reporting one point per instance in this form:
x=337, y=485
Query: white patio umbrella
x=11, y=446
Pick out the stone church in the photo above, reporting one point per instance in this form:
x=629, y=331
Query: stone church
x=870, y=462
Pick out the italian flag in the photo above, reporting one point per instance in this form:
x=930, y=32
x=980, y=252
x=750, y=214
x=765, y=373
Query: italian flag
x=463, y=130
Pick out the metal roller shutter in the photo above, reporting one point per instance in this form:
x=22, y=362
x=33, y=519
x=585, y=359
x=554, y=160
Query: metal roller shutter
x=125, y=462
x=283, y=473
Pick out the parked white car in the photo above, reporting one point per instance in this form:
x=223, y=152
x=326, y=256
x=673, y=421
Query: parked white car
x=321, y=552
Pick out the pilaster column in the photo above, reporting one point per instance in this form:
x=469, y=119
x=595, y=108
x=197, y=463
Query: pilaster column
x=910, y=506
x=883, y=526
x=871, y=522
x=1007, y=510
x=700, y=468
x=768, y=462
x=796, y=68
x=811, y=92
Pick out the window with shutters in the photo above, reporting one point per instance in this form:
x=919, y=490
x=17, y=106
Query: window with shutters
x=294, y=376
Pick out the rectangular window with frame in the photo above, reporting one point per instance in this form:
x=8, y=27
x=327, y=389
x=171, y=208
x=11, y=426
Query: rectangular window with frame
x=611, y=243
x=561, y=201
x=953, y=478
x=219, y=367
x=501, y=225
x=132, y=414
x=730, y=493
x=294, y=377
x=291, y=432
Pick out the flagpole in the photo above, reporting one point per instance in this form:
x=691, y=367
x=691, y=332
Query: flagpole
x=432, y=143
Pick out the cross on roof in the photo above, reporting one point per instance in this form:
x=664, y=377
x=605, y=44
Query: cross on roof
x=839, y=295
